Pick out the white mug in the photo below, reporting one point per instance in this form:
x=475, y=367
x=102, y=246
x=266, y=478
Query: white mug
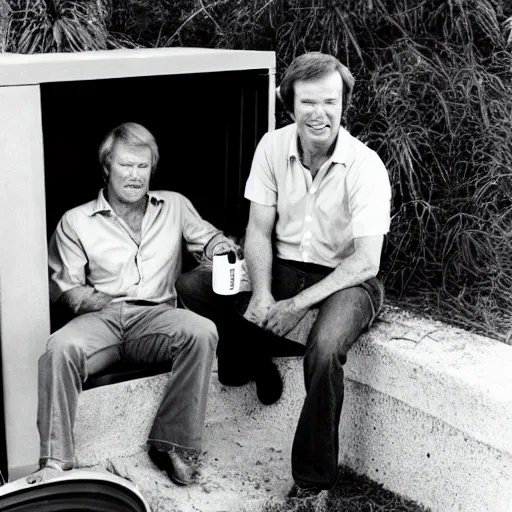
x=227, y=269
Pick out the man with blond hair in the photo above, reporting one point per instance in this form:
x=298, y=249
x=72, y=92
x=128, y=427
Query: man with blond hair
x=114, y=262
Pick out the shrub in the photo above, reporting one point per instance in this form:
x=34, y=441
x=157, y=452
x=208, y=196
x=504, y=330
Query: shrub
x=41, y=26
x=433, y=99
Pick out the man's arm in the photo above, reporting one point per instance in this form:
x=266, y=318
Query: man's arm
x=85, y=299
x=202, y=238
x=67, y=262
x=362, y=265
x=219, y=244
x=258, y=255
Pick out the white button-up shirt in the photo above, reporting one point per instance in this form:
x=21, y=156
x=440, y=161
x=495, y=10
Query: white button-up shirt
x=318, y=219
x=90, y=246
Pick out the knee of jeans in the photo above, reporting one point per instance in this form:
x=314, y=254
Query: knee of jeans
x=60, y=348
x=183, y=283
x=324, y=350
x=205, y=333
x=190, y=282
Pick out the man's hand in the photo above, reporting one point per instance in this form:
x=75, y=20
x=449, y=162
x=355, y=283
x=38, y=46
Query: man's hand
x=283, y=316
x=227, y=245
x=85, y=299
x=222, y=244
x=258, y=308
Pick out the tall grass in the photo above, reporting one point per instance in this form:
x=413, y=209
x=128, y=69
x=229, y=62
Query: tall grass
x=437, y=106
x=351, y=493
x=433, y=98
x=42, y=26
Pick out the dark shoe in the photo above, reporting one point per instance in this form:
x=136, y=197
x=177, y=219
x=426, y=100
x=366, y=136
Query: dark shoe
x=301, y=491
x=181, y=465
x=269, y=386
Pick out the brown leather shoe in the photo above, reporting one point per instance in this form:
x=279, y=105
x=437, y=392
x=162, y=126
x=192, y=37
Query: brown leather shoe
x=181, y=466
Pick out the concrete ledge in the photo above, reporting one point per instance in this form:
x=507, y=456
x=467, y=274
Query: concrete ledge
x=428, y=413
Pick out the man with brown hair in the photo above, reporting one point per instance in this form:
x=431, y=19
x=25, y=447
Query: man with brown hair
x=320, y=207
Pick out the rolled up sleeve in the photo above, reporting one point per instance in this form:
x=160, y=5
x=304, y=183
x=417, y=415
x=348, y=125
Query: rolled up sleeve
x=370, y=198
x=261, y=185
x=197, y=232
x=66, y=259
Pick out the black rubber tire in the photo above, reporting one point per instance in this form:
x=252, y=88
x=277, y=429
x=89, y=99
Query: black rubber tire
x=73, y=496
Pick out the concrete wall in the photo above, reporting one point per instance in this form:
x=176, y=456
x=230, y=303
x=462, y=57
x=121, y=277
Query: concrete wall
x=24, y=325
x=426, y=413
x=24, y=320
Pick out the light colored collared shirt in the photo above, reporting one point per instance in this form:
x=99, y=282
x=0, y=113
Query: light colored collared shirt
x=318, y=219
x=92, y=247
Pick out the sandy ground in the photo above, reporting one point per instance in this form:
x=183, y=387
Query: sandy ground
x=239, y=473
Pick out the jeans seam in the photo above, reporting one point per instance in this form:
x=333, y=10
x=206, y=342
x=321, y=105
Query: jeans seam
x=140, y=339
x=375, y=311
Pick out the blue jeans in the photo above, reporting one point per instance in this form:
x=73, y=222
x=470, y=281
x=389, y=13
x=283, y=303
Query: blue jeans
x=342, y=317
x=146, y=334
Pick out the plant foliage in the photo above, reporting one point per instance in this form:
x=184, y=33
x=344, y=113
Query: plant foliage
x=351, y=493
x=42, y=26
x=432, y=98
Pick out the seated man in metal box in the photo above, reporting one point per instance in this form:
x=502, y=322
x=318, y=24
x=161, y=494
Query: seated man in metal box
x=114, y=261
x=326, y=197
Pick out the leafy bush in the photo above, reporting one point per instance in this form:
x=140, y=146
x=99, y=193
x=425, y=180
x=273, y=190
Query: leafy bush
x=433, y=99
x=41, y=26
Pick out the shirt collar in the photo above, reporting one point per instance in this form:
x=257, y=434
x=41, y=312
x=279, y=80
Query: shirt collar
x=340, y=154
x=101, y=205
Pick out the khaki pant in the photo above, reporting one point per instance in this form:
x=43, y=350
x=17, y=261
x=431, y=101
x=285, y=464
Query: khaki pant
x=145, y=334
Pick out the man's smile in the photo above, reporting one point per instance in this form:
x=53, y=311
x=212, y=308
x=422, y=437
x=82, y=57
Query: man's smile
x=317, y=128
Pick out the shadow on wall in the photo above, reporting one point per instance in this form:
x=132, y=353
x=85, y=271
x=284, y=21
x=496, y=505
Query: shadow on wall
x=206, y=126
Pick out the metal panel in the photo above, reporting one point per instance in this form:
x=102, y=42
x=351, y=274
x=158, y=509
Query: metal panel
x=17, y=69
x=244, y=113
x=23, y=266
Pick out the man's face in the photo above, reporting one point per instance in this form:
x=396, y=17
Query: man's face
x=130, y=172
x=317, y=109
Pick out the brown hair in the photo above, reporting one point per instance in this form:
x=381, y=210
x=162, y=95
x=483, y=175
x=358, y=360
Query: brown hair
x=311, y=66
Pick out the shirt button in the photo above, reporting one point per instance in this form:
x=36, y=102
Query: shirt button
x=307, y=235
x=313, y=190
x=308, y=218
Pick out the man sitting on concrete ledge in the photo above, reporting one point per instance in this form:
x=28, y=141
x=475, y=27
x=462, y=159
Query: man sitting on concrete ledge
x=326, y=196
x=114, y=261
x=236, y=366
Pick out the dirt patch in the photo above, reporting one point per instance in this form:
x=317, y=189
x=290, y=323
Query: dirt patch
x=247, y=469
x=243, y=469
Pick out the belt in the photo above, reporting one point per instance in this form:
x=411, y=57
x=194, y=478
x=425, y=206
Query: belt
x=142, y=302
x=301, y=266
